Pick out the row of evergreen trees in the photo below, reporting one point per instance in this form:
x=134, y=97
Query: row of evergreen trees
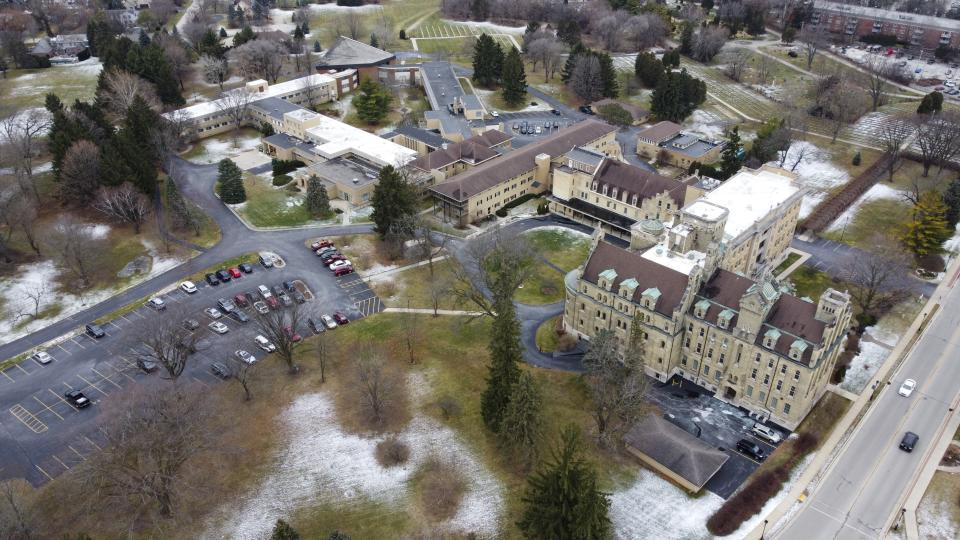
x=491, y=66
x=676, y=94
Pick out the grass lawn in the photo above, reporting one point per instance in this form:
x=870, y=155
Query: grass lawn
x=819, y=423
x=562, y=248
x=547, y=338
x=412, y=288
x=939, y=510
x=209, y=233
x=26, y=88
x=544, y=286
x=213, y=149
x=878, y=215
x=810, y=282
x=791, y=258
x=268, y=206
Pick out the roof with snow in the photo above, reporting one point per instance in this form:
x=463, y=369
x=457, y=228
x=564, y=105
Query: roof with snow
x=672, y=448
x=349, y=53
x=334, y=139
x=750, y=196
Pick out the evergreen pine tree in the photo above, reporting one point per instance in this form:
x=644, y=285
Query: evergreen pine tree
x=686, y=39
x=316, y=46
x=514, y=78
x=951, y=199
x=665, y=101
x=498, y=58
x=505, y=354
x=230, y=182
x=317, y=201
x=182, y=215
x=925, y=234
x=731, y=159
x=648, y=69
x=563, y=499
x=283, y=531
x=609, y=76
x=136, y=146
x=297, y=34
x=373, y=41
x=931, y=103
x=223, y=32
x=571, y=62
x=372, y=102
x=114, y=169
x=485, y=71
x=568, y=31
x=671, y=59
x=305, y=27
x=244, y=35
x=522, y=425
x=394, y=201
x=403, y=34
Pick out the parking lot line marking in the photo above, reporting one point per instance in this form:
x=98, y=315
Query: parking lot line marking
x=69, y=387
x=205, y=385
x=43, y=471
x=47, y=407
x=4, y=372
x=79, y=455
x=56, y=395
x=18, y=366
x=91, y=385
x=62, y=349
x=77, y=343
x=95, y=445
x=28, y=419
x=61, y=462
x=105, y=378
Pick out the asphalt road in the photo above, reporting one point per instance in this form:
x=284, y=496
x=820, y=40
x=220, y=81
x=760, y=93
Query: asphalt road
x=865, y=486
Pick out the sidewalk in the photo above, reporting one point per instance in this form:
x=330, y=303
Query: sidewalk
x=428, y=311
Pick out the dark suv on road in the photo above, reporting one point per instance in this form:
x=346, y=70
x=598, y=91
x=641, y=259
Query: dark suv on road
x=909, y=441
x=94, y=330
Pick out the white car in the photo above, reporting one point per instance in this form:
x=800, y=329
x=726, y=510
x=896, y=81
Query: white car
x=188, y=287
x=265, y=344
x=328, y=321
x=245, y=357
x=949, y=84
x=907, y=387
x=213, y=313
x=218, y=327
x=495, y=114
x=770, y=435
x=337, y=264
x=42, y=357
x=264, y=291
x=157, y=303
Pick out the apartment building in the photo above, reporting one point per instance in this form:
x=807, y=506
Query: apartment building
x=476, y=194
x=748, y=341
x=666, y=143
x=852, y=22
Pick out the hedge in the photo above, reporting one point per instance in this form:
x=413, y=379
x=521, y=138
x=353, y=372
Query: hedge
x=283, y=166
x=282, y=180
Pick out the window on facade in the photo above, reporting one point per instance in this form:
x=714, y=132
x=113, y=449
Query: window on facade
x=757, y=359
x=699, y=347
x=709, y=353
x=702, y=332
x=773, y=403
x=783, y=369
x=749, y=391
x=663, y=344
x=716, y=375
x=796, y=375
x=683, y=360
x=793, y=391
x=786, y=408
x=720, y=359
x=766, y=379
x=686, y=343
x=753, y=374
x=706, y=370
x=779, y=385
x=769, y=362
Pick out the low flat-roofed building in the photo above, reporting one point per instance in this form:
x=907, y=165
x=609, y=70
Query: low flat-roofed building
x=346, y=53
x=346, y=178
x=454, y=158
x=677, y=455
x=422, y=141
x=666, y=143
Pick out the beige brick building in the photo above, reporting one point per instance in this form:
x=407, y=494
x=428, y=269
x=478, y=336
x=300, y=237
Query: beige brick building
x=666, y=143
x=747, y=341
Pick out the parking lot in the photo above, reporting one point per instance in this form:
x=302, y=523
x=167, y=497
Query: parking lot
x=721, y=425
x=512, y=123
x=46, y=435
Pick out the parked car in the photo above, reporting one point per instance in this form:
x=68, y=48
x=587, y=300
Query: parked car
x=343, y=270
x=42, y=357
x=239, y=316
x=322, y=243
x=213, y=313
x=538, y=130
x=264, y=344
x=337, y=264
x=147, y=365
x=328, y=321
x=266, y=259
x=554, y=111
x=191, y=324
x=223, y=275
x=770, y=435
x=298, y=296
x=292, y=334
x=241, y=300
x=245, y=357
x=246, y=268
x=95, y=331
x=495, y=114
x=556, y=125
x=235, y=272
x=273, y=302
x=909, y=441
x=331, y=258
x=316, y=326
x=220, y=370
x=219, y=327
x=188, y=287
x=226, y=306
x=156, y=304
x=320, y=252
x=77, y=399
x=261, y=307
x=277, y=290
x=285, y=299
x=288, y=285
x=251, y=296
x=264, y=291
x=340, y=318
x=211, y=279
x=907, y=387
x=516, y=126
x=585, y=109
x=750, y=449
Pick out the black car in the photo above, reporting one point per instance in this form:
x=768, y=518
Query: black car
x=77, y=399
x=554, y=111
x=191, y=324
x=226, y=306
x=750, y=449
x=586, y=109
x=298, y=296
x=316, y=326
x=277, y=290
x=147, y=365
x=288, y=285
x=909, y=441
x=220, y=370
x=238, y=316
x=94, y=330
x=212, y=279
x=223, y=275
x=251, y=296
x=246, y=268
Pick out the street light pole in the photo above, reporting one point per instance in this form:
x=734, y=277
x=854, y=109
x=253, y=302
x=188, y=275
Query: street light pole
x=764, y=530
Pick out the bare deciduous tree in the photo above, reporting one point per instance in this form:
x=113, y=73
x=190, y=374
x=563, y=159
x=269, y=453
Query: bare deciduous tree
x=32, y=300
x=322, y=347
x=214, y=70
x=607, y=28
x=893, y=135
x=153, y=433
x=22, y=134
x=845, y=104
x=878, y=70
x=122, y=87
x=410, y=326
x=548, y=51
x=18, y=516
x=243, y=373
x=348, y=24
x=764, y=66
x=281, y=326
x=376, y=386
x=23, y=214
x=485, y=259
x=168, y=342
x=708, y=41
x=124, y=204
x=76, y=249
x=617, y=385
x=173, y=50
x=880, y=277
x=260, y=59
x=813, y=39
x=938, y=137
x=234, y=104
x=737, y=62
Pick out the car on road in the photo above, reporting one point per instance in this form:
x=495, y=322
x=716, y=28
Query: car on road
x=586, y=110
x=220, y=370
x=95, y=331
x=292, y=334
x=234, y=272
x=554, y=111
x=157, y=304
x=42, y=357
x=226, y=306
x=907, y=387
x=218, y=327
x=343, y=270
x=246, y=268
x=241, y=300
x=340, y=318
x=909, y=441
x=261, y=307
x=273, y=302
x=239, y=316
x=223, y=275
x=328, y=320
x=191, y=324
x=245, y=357
x=213, y=313
x=77, y=399
x=495, y=114
x=316, y=326
x=264, y=343
x=211, y=279
x=264, y=291
x=751, y=450
x=298, y=296
x=765, y=433
x=147, y=365
x=322, y=243
x=188, y=287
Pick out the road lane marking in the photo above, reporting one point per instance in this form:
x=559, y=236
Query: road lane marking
x=43, y=471
x=28, y=419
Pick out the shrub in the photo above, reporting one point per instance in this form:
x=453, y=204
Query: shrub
x=386, y=288
x=441, y=489
x=748, y=501
x=449, y=407
x=502, y=212
x=403, y=34
x=282, y=180
x=566, y=343
x=857, y=159
x=615, y=114
x=392, y=452
x=931, y=263
x=543, y=208
x=866, y=319
x=283, y=166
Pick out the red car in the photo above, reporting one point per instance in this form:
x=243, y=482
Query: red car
x=343, y=270
x=321, y=244
x=340, y=318
x=234, y=272
x=295, y=337
x=241, y=300
x=273, y=302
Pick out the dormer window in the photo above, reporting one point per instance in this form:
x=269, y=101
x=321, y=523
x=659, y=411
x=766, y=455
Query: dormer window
x=650, y=297
x=606, y=189
x=627, y=288
x=797, y=349
x=606, y=278
x=700, y=309
x=770, y=338
x=724, y=319
x=633, y=200
x=614, y=193
x=595, y=185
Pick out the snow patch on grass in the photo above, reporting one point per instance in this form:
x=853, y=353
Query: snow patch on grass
x=878, y=191
x=323, y=464
x=935, y=518
x=334, y=7
x=705, y=124
x=217, y=148
x=568, y=232
x=863, y=366
x=490, y=27
x=816, y=173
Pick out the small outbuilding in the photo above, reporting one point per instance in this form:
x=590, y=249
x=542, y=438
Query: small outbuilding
x=674, y=453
